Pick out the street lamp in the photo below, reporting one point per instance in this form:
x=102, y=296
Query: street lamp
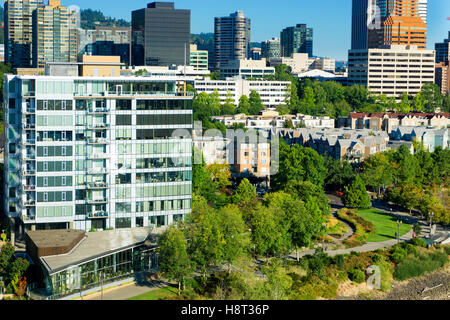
x=324, y=226
x=431, y=221
x=399, y=223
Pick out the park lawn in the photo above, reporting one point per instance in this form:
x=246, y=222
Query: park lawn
x=163, y=293
x=385, y=225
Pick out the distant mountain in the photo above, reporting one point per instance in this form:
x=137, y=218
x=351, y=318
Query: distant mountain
x=93, y=18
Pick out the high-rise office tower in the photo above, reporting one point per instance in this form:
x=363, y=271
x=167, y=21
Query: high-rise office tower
x=399, y=24
x=54, y=40
x=18, y=30
x=443, y=50
x=160, y=35
x=360, y=22
x=271, y=49
x=84, y=153
x=231, y=38
x=423, y=10
x=298, y=39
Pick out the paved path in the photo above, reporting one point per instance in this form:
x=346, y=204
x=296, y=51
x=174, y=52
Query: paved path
x=371, y=246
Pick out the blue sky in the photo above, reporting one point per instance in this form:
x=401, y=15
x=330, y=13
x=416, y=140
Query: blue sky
x=330, y=19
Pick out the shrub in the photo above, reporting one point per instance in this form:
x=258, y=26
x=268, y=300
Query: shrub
x=417, y=266
x=410, y=249
x=398, y=256
x=377, y=258
x=419, y=242
x=447, y=250
x=357, y=276
x=339, y=261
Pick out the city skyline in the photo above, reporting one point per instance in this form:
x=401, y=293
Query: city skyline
x=316, y=14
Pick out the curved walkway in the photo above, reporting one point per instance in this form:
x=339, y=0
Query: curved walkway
x=371, y=246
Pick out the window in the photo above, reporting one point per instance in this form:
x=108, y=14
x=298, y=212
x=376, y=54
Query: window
x=45, y=166
x=45, y=196
x=45, y=181
x=63, y=196
x=63, y=166
x=64, y=181
x=63, y=151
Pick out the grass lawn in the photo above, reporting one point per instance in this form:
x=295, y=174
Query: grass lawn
x=385, y=225
x=157, y=294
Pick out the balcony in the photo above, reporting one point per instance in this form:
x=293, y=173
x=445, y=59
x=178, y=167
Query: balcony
x=29, y=142
x=98, y=126
x=29, y=187
x=29, y=203
x=98, y=171
x=29, y=218
x=30, y=157
x=97, y=156
x=98, y=141
x=97, y=201
x=99, y=110
x=97, y=185
x=28, y=126
x=98, y=215
x=29, y=111
x=29, y=172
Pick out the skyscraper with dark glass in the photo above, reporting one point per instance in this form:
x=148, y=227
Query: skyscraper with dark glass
x=298, y=39
x=160, y=35
x=359, y=24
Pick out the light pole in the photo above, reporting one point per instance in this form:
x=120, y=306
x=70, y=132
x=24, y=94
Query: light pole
x=399, y=223
x=324, y=226
x=431, y=221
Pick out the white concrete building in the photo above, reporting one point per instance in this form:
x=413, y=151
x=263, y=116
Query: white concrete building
x=392, y=70
x=299, y=62
x=273, y=93
x=246, y=69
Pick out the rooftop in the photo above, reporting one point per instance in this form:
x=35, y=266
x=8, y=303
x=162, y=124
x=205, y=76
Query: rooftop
x=98, y=244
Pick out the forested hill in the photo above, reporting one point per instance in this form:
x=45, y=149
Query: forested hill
x=92, y=18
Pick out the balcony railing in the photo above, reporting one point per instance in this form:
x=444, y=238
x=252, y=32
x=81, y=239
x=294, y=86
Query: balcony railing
x=98, y=126
x=98, y=156
x=29, y=218
x=29, y=172
x=98, y=141
x=97, y=201
x=30, y=188
x=98, y=215
x=98, y=171
x=29, y=203
x=28, y=126
x=30, y=110
x=97, y=185
x=99, y=110
x=29, y=142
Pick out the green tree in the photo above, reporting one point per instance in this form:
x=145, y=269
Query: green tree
x=206, y=240
x=228, y=108
x=299, y=163
x=305, y=190
x=234, y=232
x=6, y=255
x=339, y=174
x=256, y=104
x=356, y=196
x=220, y=174
x=307, y=103
x=278, y=282
x=405, y=105
x=270, y=232
x=377, y=172
x=173, y=257
x=215, y=75
x=245, y=192
x=419, y=102
x=433, y=97
x=244, y=105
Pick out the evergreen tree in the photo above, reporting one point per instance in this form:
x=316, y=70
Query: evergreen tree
x=356, y=196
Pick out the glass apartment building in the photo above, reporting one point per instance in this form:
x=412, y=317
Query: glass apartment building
x=298, y=39
x=96, y=153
